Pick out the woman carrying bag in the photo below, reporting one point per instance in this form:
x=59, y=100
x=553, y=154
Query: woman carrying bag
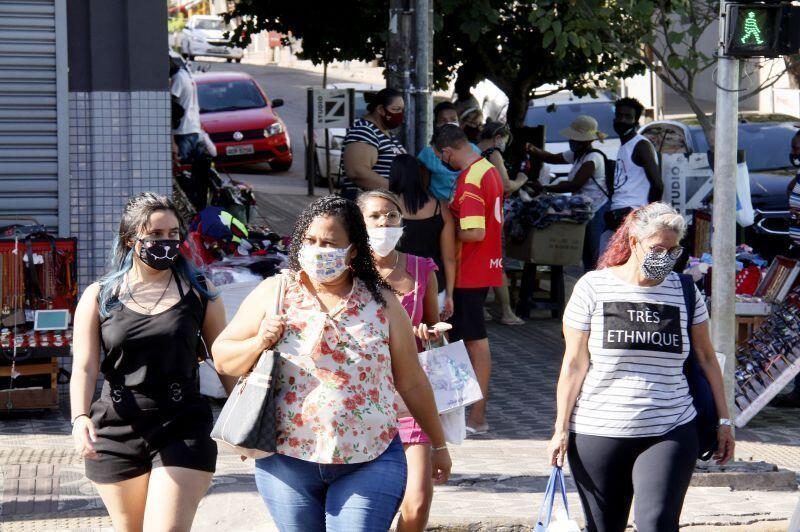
x=413, y=279
x=625, y=416
x=346, y=347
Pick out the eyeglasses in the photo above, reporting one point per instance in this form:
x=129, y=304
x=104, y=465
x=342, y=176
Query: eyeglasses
x=390, y=218
x=674, y=253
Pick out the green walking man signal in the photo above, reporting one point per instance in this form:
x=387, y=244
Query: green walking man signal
x=751, y=29
x=761, y=28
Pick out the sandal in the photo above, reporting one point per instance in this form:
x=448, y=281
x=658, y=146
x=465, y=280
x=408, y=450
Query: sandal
x=476, y=431
x=514, y=320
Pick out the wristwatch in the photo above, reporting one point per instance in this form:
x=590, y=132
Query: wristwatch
x=725, y=421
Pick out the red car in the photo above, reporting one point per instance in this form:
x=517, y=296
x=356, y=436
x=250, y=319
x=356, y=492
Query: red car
x=239, y=117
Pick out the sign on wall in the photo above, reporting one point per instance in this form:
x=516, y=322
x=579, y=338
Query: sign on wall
x=331, y=108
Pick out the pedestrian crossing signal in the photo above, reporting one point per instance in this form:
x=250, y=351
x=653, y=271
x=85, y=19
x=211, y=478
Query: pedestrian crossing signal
x=753, y=30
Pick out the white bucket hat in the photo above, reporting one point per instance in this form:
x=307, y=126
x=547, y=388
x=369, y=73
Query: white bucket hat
x=583, y=129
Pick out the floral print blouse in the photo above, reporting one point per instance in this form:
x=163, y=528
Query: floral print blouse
x=336, y=395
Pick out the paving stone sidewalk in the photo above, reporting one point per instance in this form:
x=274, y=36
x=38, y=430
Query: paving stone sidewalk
x=497, y=484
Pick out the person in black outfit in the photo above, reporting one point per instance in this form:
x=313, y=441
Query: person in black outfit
x=428, y=226
x=146, y=440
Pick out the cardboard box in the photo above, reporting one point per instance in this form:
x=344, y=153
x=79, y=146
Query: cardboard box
x=560, y=244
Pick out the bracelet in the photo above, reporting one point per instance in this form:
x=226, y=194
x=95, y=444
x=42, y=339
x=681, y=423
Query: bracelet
x=442, y=448
x=72, y=423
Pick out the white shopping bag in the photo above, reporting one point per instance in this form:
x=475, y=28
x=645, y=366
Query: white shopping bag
x=452, y=377
x=454, y=425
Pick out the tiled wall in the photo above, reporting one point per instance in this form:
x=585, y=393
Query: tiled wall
x=119, y=146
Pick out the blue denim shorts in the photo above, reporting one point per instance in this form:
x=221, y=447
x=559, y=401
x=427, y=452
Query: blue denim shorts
x=310, y=497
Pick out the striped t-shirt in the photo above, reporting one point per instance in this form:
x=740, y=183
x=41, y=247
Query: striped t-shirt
x=635, y=386
x=367, y=132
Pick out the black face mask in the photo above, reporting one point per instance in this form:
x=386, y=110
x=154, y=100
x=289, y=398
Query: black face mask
x=159, y=254
x=576, y=147
x=473, y=133
x=623, y=128
x=795, y=160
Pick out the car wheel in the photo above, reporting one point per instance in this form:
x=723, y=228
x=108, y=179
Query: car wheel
x=239, y=60
x=229, y=60
x=280, y=166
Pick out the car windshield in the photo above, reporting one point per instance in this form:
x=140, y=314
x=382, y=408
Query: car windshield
x=361, y=104
x=766, y=145
x=561, y=116
x=209, y=24
x=229, y=96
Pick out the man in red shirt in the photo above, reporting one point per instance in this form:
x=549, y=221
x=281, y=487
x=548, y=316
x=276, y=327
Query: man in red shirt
x=478, y=207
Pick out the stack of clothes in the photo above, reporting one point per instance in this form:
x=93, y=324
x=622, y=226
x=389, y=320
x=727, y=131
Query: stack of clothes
x=524, y=213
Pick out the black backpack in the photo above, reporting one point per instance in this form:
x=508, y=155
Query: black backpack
x=610, y=168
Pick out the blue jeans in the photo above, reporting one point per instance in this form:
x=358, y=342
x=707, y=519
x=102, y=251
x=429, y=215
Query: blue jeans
x=310, y=497
x=591, y=242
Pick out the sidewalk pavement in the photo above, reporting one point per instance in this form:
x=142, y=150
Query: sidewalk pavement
x=497, y=484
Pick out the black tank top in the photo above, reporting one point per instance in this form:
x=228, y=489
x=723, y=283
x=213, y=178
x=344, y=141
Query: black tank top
x=422, y=238
x=152, y=350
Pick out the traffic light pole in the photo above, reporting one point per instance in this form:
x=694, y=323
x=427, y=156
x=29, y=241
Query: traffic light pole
x=723, y=241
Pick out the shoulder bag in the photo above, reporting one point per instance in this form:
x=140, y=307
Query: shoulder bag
x=699, y=387
x=247, y=423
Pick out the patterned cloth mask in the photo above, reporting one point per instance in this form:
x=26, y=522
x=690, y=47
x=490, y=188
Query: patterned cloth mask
x=159, y=254
x=323, y=264
x=657, y=265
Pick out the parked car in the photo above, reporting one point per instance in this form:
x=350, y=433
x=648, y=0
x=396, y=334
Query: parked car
x=241, y=120
x=558, y=111
x=766, y=141
x=336, y=135
x=204, y=35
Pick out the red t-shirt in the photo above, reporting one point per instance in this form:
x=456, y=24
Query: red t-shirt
x=478, y=204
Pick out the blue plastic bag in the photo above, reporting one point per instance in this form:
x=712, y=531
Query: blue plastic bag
x=545, y=521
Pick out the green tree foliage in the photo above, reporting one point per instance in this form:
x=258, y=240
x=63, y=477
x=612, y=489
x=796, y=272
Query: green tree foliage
x=522, y=45
x=344, y=30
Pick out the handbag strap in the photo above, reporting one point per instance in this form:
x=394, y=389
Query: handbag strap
x=277, y=304
x=689, y=299
x=546, y=510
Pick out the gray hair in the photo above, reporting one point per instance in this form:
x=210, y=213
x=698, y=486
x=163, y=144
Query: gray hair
x=654, y=218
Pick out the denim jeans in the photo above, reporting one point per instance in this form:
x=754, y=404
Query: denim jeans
x=310, y=497
x=591, y=242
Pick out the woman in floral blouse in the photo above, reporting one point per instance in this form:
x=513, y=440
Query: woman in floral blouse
x=347, y=346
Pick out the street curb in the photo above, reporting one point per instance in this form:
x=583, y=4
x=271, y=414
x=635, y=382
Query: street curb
x=745, y=476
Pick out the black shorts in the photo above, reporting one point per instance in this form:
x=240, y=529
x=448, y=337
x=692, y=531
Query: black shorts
x=136, y=433
x=468, y=321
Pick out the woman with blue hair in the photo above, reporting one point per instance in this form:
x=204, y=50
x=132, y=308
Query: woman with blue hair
x=146, y=440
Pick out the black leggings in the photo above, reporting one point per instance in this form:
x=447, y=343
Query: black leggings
x=609, y=471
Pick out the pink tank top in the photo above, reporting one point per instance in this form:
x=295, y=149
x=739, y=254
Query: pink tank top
x=419, y=269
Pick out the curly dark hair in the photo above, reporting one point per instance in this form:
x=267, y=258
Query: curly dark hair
x=363, y=266
x=631, y=103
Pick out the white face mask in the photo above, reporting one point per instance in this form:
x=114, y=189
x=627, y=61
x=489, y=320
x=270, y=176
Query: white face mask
x=501, y=144
x=384, y=239
x=323, y=264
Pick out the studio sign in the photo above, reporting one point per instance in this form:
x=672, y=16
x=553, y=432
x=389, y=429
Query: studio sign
x=642, y=327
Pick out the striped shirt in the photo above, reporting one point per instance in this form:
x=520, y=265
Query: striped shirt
x=635, y=386
x=387, y=145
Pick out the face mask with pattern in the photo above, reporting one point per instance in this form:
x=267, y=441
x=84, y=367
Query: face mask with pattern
x=323, y=264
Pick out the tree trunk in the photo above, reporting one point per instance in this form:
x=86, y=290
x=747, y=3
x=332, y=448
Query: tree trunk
x=517, y=105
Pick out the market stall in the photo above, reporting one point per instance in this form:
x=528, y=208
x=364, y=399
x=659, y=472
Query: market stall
x=767, y=320
x=38, y=293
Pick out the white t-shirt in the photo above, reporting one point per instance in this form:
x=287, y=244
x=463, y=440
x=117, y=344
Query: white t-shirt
x=184, y=88
x=635, y=386
x=631, y=187
x=593, y=188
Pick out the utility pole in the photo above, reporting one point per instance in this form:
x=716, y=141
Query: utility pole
x=400, y=58
x=423, y=18
x=723, y=241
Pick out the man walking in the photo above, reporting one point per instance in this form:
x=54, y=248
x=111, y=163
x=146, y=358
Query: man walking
x=478, y=207
x=187, y=141
x=637, y=180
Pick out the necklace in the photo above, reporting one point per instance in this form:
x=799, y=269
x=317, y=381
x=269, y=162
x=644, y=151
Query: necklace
x=150, y=309
x=396, y=261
